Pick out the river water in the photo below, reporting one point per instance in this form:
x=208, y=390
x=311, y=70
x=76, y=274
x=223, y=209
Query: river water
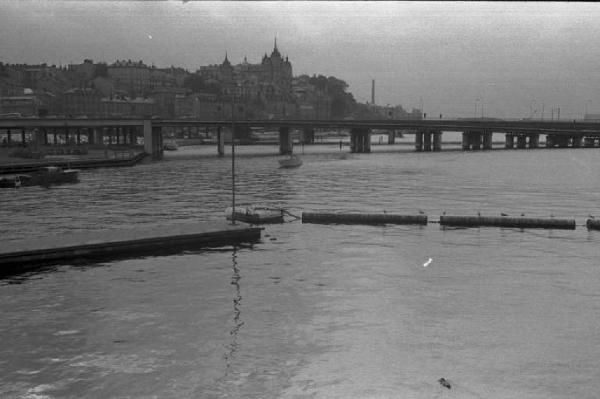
x=314, y=311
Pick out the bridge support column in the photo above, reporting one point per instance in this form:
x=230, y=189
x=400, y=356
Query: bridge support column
x=220, y=141
x=521, y=141
x=427, y=141
x=8, y=137
x=437, y=141
x=285, y=141
x=466, y=141
x=534, y=140
x=419, y=141
x=360, y=140
x=510, y=141
x=392, y=137
x=308, y=136
x=23, y=137
x=78, y=133
x=589, y=142
x=487, y=140
x=45, y=132
x=562, y=141
x=153, y=144
x=476, y=138
x=550, y=140
x=576, y=140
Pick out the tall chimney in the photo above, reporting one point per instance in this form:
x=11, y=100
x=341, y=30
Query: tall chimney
x=373, y=91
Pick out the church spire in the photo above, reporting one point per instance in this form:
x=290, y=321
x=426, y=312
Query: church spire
x=226, y=61
x=275, y=50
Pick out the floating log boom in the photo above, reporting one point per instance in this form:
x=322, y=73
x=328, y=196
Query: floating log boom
x=593, y=224
x=529, y=223
x=362, y=218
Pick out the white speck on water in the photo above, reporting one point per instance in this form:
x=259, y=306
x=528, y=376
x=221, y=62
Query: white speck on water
x=66, y=332
x=428, y=262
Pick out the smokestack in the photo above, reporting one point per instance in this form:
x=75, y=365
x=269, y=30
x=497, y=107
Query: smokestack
x=373, y=91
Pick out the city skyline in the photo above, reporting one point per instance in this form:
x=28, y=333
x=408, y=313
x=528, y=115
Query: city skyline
x=455, y=59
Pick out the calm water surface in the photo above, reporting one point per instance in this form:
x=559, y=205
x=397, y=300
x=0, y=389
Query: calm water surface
x=315, y=311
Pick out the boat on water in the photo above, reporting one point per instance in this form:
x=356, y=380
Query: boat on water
x=293, y=161
x=170, y=146
x=255, y=214
x=45, y=176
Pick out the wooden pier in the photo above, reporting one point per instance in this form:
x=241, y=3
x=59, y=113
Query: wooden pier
x=19, y=256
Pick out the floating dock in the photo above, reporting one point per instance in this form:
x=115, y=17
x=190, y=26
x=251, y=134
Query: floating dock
x=593, y=224
x=18, y=256
x=523, y=223
x=362, y=218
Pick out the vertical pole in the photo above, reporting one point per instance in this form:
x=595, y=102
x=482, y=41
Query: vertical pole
x=45, y=136
x=220, y=141
x=233, y=161
x=23, y=137
x=510, y=141
x=367, y=135
x=78, y=136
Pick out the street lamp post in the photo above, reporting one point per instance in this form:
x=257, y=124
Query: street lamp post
x=233, y=158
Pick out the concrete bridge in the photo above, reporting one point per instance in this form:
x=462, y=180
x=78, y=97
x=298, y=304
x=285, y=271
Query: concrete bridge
x=476, y=133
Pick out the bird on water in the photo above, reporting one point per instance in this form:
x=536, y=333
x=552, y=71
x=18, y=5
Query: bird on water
x=445, y=383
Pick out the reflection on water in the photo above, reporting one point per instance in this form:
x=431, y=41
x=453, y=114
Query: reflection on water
x=237, y=303
x=328, y=311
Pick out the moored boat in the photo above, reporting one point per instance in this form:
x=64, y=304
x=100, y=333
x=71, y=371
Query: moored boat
x=293, y=161
x=255, y=214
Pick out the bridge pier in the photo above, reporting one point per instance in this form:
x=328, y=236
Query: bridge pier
x=550, y=140
x=534, y=140
x=419, y=141
x=437, y=141
x=510, y=141
x=521, y=141
x=576, y=141
x=360, y=140
x=487, y=140
x=153, y=144
x=285, y=141
x=220, y=141
x=562, y=141
x=466, y=141
x=476, y=139
x=392, y=137
x=308, y=136
x=589, y=142
x=427, y=141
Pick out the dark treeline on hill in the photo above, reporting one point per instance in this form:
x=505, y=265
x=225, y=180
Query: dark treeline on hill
x=342, y=102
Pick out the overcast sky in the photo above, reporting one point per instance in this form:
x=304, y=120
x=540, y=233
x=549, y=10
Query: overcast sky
x=515, y=57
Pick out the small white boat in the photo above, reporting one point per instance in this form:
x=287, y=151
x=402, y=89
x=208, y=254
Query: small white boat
x=255, y=214
x=170, y=146
x=293, y=161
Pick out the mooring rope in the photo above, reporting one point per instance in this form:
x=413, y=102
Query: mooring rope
x=296, y=217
